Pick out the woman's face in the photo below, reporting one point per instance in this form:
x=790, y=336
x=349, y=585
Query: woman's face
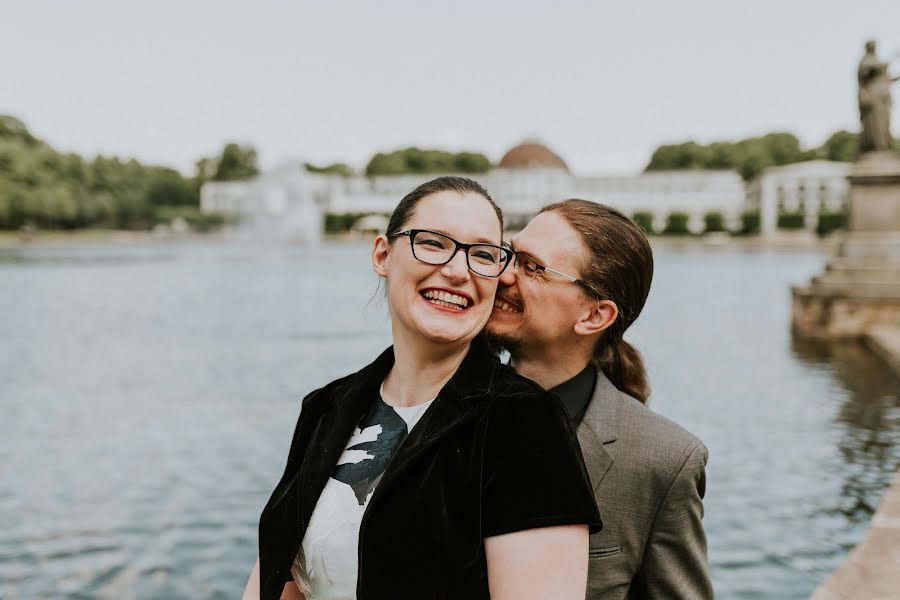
x=414, y=288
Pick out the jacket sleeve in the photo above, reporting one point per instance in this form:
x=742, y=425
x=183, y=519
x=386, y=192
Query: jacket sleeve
x=297, y=448
x=675, y=562
x=295, y=458
x=533, y=474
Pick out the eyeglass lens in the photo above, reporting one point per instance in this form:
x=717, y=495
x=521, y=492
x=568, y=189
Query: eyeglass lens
x=437, y=249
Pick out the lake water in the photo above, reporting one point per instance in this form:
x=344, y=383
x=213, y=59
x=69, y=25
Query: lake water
x=148, y=395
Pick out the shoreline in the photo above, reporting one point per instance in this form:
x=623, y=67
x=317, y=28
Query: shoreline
x=872, y=569
x=15, y=239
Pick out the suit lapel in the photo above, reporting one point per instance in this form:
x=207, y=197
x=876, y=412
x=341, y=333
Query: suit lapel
x=597, y=431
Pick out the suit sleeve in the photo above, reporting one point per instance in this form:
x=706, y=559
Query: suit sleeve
x=675, y=563
x=533, y=474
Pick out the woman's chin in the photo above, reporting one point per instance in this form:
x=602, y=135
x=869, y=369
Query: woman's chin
x=444, y=333
x=448, y=337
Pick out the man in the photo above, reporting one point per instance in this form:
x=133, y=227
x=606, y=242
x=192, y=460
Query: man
x=581, y=275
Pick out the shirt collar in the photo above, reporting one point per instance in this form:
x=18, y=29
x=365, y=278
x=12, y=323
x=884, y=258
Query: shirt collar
x=575, y=393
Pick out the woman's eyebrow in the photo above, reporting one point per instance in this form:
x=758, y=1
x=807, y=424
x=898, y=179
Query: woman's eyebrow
x=481, y=240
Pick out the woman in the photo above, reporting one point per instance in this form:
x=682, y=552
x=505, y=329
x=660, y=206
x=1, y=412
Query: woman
x=434, y=472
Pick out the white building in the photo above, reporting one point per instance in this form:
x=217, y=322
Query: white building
x=807, y=187
x=279, y=204
x=531, y=176
x=527, y=178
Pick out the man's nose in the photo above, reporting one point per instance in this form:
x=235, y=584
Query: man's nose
x=508, y=276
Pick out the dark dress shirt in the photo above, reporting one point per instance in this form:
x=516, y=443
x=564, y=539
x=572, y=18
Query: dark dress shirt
x=576, y=393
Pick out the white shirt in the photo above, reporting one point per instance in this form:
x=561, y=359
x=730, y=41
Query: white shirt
x=327, y=563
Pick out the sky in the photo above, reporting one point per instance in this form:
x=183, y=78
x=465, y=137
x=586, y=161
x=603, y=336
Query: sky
x=601, y=83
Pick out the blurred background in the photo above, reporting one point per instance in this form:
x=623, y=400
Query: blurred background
x=188, y=195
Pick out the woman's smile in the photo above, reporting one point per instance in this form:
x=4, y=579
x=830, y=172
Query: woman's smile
x=447, y=299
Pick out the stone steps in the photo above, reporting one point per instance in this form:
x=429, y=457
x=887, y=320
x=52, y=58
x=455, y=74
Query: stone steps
x=855, y=289
x=856, y=273
x=871, y=247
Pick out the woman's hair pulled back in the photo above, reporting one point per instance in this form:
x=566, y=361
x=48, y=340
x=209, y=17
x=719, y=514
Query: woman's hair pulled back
x=619, y=267
x=407, y=205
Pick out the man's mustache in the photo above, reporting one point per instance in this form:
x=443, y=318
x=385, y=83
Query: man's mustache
x=510, y=297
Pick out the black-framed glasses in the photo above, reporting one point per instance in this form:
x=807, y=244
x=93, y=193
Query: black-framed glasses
x=532, y=267
x=433, y=248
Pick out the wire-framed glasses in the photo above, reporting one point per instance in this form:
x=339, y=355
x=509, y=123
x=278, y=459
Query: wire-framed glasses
x=433, y=248
x=532, y=268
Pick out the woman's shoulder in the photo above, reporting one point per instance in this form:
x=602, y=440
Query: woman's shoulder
x=322, y=398
x=513, y=392
x=508, y=381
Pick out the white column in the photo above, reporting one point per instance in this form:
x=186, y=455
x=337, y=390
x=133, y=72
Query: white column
x=768, y=207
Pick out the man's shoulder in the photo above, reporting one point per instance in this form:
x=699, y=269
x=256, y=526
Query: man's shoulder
x=644, y=433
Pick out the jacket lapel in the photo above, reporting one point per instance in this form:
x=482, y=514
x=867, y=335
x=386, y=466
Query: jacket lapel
x=333, y=430
x=597, y=430
x=453, y=407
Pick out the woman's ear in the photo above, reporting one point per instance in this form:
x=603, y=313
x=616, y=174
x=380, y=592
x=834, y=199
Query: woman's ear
x=603, y=314
x=380, y=253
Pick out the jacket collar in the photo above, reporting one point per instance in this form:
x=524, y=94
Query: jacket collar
x=598, y=429
x=453, y=406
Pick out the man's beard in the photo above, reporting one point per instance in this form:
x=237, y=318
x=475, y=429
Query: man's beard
x=500, y=342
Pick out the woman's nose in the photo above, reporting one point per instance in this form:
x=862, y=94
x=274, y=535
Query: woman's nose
x=458, y=267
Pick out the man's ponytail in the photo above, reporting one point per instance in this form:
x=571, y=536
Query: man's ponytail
x=624, y=366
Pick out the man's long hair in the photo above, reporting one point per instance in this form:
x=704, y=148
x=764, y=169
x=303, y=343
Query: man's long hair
x=619, y=267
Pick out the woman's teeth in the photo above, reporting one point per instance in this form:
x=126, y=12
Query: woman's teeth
x=505, y=306
x=446, y=299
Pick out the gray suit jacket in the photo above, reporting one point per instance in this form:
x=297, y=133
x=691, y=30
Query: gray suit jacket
x=649, y=479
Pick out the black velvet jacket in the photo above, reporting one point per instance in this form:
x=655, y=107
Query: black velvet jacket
x=493, y=454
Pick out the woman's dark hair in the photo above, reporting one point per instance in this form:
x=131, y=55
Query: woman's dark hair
x=462, y=185
x=619, y=267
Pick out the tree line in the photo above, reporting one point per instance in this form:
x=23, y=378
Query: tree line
x=42, y=187
x=751, y=155
x=412, y=161
x=422, y=161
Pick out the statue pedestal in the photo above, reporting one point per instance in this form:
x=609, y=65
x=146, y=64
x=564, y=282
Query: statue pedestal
x=860, y=287
x=875, y=193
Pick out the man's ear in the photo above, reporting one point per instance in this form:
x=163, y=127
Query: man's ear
x=603, y=314
x=380, y=253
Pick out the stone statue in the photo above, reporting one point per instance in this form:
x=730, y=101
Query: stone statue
x=874, y=102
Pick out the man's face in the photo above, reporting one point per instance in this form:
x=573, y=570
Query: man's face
x=540, y=310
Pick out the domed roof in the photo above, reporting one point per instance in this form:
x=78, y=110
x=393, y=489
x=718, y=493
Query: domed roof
x=531, y=155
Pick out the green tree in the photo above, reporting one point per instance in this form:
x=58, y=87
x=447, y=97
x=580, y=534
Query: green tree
x=471, y=162
x=386, y=164
x=644, y=220
x=236, y=163
x=341, y=169
x=842, y=145
x=13, y=128
x=168, y=187
x=423, y=161
x=781, y=148
x=750, y=156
